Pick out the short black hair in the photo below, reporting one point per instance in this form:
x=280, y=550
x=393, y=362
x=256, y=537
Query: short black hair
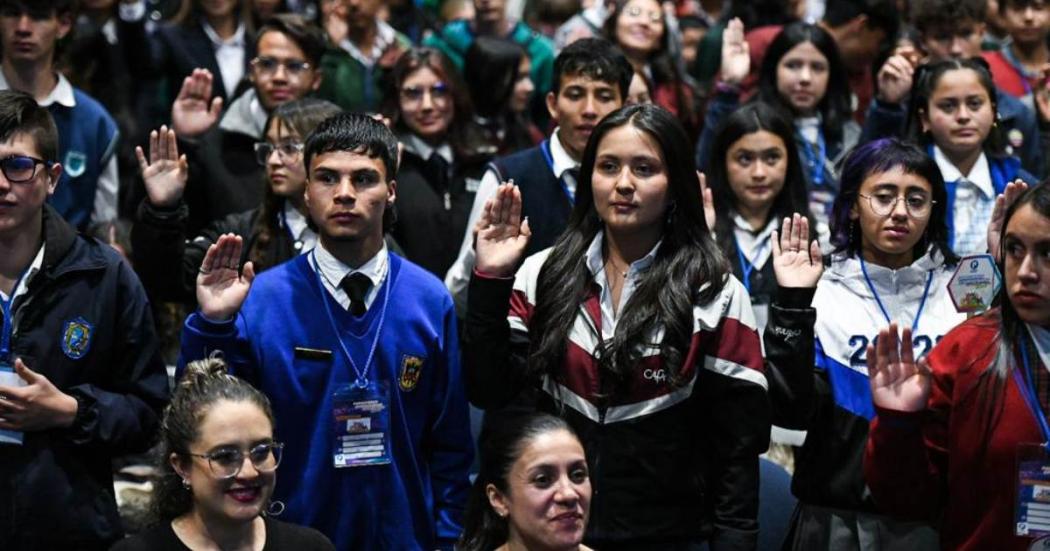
x=21, y=114
x=930, y=15
x=594, y=58
x=1018, y=4
x=306, y=35
x=42, y=9
x=356, y=133
x=881, y=14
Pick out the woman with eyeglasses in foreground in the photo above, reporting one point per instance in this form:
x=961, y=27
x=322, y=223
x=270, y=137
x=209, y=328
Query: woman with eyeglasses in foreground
x=218, y=466
x=891, y=263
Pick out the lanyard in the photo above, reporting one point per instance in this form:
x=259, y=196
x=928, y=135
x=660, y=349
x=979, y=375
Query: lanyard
x=362, y=375
x=1027, y=385
x=545, y=148
x=814, y=160
x=747, y=265
x=8, y=307
x=922, y=303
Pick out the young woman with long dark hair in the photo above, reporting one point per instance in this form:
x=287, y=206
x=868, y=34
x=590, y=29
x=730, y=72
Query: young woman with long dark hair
x=891, y=262
x=803, y=78
x=631, y=327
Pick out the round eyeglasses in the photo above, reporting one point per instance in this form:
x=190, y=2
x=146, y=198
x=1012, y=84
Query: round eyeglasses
x=917, y=204
x=267, y=66
x=227, y=462
x=288, y=151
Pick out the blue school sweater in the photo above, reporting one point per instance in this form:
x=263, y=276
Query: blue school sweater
x=416, y=501
x=87, y=140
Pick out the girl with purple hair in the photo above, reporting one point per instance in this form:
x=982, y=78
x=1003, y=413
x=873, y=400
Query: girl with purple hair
x=890, y=263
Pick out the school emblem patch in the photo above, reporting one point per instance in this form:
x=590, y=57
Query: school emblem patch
x=411, y=369
x=76, y=338
x=75, y=163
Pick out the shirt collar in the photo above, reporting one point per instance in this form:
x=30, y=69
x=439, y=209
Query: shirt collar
x=237, y=40
x=61, y=94
x=385, y=36
x=596, y=259
x=980, y=175
x=23, y=284
x=420, y=147
x=562, y=160
x=334, y=270
x=295, y=220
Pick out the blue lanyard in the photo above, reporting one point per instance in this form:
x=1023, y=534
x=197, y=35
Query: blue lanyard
x=545, y=148
x=8, y=307
x=922, y=303
x=747, y=265
x=1027, y=385
x=362, y=375
x=814, y=160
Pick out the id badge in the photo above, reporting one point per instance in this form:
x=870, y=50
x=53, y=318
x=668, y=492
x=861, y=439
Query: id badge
x=361, y=416
x=1032, y=513
x=8, y=377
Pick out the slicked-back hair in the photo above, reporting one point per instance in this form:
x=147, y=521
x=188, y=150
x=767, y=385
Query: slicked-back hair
x=21, y=114
x=883, y=156
x=306, y=35
x=596, y=59
x=355, y=133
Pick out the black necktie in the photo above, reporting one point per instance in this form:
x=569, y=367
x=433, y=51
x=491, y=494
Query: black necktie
x=356, y=286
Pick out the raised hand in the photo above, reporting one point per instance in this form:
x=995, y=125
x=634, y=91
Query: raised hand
x=898, y=382
x=192, y=114
x=895, y=76
x=1042, y=94
x=1002, y=203
x=165, y=172
x=708, y=199
x=795, y=263
x=221, y=290
x=736, y=53
x=502, y=236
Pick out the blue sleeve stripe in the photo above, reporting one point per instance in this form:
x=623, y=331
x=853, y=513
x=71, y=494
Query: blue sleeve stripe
x=850, y=388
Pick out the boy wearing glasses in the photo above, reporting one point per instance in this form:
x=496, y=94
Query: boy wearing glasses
x=81, y=380
x=224, y=175
x=32, y=33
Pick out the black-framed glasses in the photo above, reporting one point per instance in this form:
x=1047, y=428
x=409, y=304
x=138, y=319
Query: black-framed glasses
x=414, y=94
x=227, y=462
x=268, y=66
x=288, y=151
x=21, y=168
x=917, y=204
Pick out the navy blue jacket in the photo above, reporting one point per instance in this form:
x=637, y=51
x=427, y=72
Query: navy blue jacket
x=56, y=490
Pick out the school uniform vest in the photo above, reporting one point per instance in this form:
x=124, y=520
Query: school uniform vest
x=543, y=198
x=87, y=140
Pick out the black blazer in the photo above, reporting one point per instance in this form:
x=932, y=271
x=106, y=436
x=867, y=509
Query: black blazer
x=179, y=49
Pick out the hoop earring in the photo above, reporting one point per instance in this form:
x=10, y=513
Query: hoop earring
x=275, y=508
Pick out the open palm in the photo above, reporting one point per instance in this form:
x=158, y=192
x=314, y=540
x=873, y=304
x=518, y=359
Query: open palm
x=194, y=110
x=736, y=53
x=165, y=172
x=502, y=235
x=221, y=290
x=897, y=380
x=796, y=263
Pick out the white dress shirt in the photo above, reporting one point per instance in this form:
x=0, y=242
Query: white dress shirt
x=334, y=270
x=974, y=201
x=299, y=229
x=229, y=54
x=596, y=265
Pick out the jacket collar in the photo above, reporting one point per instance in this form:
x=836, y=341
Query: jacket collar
x=60, y=251
x=245, y=115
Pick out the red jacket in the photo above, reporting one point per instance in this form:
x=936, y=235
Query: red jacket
x=929, y=465
x=1006, y=76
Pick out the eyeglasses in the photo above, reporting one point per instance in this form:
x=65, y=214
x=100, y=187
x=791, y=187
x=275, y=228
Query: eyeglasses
x=267, y=66
x=414, y=94
x=21, y=168
x=917, y=205
x=227, y=462
x=288, y=151
x=655, y=16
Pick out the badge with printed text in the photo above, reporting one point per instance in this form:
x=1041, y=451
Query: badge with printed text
x=8, y=377
x=361, y=418
x=411, y=369
x=76, y=338
x=1032, y=511
x=974, y=284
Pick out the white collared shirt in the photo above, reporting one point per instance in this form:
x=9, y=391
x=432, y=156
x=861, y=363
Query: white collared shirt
x=333, y=271
x=756, y=247
x=596, y=264
x=421, y=148
x=458, y=276
x=299, y=228
x=385, y=36
x=974, y=201
x=229, y=54
x=23, y=285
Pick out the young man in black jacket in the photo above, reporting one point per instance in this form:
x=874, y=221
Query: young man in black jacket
x=80, y=377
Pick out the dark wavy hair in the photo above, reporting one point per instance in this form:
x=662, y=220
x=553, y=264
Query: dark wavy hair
x=483, y=529
x=793, y=197
x=204, y=384
x=834, y=108
x=925, y=81
x=882, y=156
x=299, y=117
x=689, y=269
x=491, y=70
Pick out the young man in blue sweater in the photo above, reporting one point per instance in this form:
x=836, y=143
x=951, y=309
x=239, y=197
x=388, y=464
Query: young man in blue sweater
x=357, y=350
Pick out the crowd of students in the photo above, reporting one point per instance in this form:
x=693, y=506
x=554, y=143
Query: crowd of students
x=636, y=242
